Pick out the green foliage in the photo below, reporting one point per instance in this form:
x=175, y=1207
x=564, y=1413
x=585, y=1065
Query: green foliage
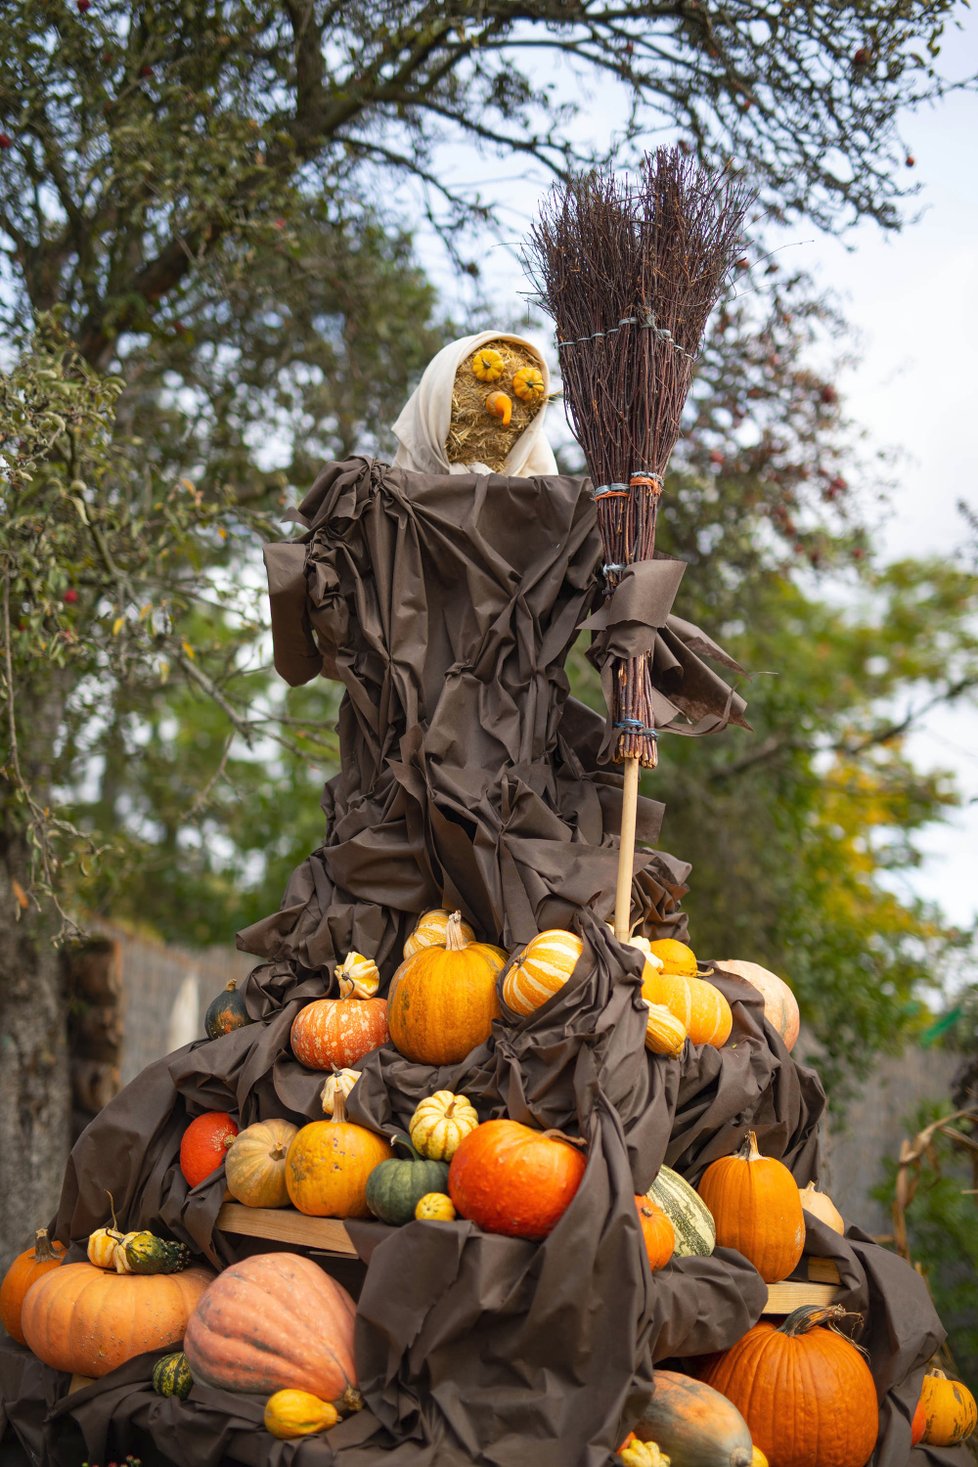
x=942, y=1227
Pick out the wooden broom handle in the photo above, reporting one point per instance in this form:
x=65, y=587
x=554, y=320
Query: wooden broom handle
x=626, y=851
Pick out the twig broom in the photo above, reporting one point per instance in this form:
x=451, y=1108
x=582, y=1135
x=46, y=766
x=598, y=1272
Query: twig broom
x=629, y=274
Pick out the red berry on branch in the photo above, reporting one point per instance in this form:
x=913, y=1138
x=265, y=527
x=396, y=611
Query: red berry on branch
x=828, y=394
x=146, y=70
x=716, y=456
x=858, y=552
x=910, y=160
x=743, y=263
x=83, y=5
x=6, y=141
x=862, y=56
x=70, y=596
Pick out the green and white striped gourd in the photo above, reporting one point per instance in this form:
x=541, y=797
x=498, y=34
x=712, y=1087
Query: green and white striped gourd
x=696, y=1233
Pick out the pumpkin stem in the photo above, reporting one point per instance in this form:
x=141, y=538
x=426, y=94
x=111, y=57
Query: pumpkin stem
x=571, y=1140
x=231, y=986
x=115, y=1222
x=749, y=1149
x=43, y=1252
x=801, y=1320
x=339, y=1107
x=454, y=940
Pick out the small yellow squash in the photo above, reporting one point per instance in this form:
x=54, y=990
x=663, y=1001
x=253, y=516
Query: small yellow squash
x=440, y=1122
x=488, y=365
x=290, y=1414
x=435, y=1207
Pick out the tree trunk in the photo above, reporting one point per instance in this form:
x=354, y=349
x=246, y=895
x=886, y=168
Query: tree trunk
x=34, y=1076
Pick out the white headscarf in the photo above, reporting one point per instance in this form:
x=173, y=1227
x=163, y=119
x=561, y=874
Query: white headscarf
x=422, y=428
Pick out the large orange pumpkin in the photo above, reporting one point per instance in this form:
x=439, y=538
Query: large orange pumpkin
x=780, y=1004
x=328, y=1164
x=513, y=1180
x=254, y=1168
x=85, y=1321
x=272, y=1322
x=332, y=1033
x=756, y=1205
x=25, y=1269
x=442, y=1000
x=805, y=1391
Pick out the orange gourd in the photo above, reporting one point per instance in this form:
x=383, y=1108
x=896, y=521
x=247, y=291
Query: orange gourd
x=432, y=931
x=804, y=1390
x=290, y=1414
x=756, y=1205
x=918, y=1423
x=695, y=1002
x=513, y=1180
x=26, y=1268
x=950, y=1413
x=541, y=969
x=254, y=1168
x=85, y=1321
x=334, y=1033
x=204, y=1145
x=675, y=956
x=275, y=1321
x=328, y=1163
x=442, y=1000
x=658, y=1233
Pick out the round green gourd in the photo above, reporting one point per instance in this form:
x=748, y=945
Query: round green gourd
x=172, y=1377
x=395, y=1187
x=226, y=1012
x=696, y=1233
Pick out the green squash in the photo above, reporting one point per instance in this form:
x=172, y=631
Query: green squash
x=172, y=1377
x=226, y=1012
x=146, y=1253
x=692, y=1220
x=395, y=1187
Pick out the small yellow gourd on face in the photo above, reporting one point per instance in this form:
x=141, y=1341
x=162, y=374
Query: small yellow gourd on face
x=440, y=1123
x=290, y=1414
x=528, y=384
x=488, y=364
x=358, y=977
x=500, y=405
x=435, y=1207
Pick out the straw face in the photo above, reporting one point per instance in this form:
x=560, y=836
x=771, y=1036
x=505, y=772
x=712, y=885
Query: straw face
x=630, y=272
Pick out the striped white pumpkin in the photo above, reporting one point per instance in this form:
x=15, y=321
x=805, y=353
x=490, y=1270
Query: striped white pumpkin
x=432, y=931
x=541, y=969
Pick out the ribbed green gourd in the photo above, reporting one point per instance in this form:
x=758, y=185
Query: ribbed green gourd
x=144, y=1252
x=696, y=1233
x=172, y=1377
x=395, y=1187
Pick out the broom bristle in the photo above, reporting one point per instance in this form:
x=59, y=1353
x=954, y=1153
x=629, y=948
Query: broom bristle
x=630, y=273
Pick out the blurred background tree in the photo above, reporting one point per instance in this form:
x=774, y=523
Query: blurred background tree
x=208, y=285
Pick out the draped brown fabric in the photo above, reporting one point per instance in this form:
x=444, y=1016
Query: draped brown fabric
x=470, y=778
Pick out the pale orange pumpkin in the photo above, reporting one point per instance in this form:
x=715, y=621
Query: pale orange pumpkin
x=85, y=1321
x=820, y=1205
x=541, y=969
x=332, y=1033
x=442, y=1000
x=25, y=1270
x=780, y=1004
x=275, y=1321
x=254, y=1167
x=757, y=1209
x=328, y=1163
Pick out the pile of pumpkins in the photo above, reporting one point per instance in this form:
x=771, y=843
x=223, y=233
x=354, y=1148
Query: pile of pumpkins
x=278, y=1325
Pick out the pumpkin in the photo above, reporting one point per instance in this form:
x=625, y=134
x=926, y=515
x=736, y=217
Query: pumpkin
x=692, y=1220
x=675, y=956
x=918, y=1423
x=84, y=1321
x=820, y=1205
x=488, y=364
x=102, y=1245
x=275, y=1321
x=289, y=1414
x=780, y=1004
x=442, y=1000
x=758, y=1458
x=172, y=1376
x=226, y=1013
x=204, y=1145
x=331, y=1033
x=396, y=1186
x=26, y=1268
x=658, y=1233
x=435, y=1207
x=950, y=1413
x=695, y=1424
x=145, y=1253
x=358, y=977
x=513, y=1180
x=541, y=969
x=328, y=1163
x=254, y=1168
x=340, y=1082
x=528, y=384
x=805, y=1391
x=432, y=931
x=642, y=1454
x=500, y=405
x=440, y=1122
x=696, y=1003
x=664, y=1033
x=756, y=1206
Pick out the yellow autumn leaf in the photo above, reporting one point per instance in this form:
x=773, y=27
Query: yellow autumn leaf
x=188, y=650
x=20, y=894
x=117, y=625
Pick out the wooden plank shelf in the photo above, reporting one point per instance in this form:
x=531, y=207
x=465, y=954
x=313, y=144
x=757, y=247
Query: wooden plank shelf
x=821, y=1287
x=286, y=1225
